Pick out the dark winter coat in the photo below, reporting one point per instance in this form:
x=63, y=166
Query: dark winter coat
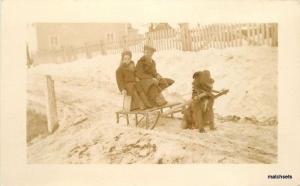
x=146, y=68
x=126, y=80
x=146, y=71
x=125, y=74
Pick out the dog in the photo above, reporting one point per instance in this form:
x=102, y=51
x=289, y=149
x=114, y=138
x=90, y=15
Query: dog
x=199, y=113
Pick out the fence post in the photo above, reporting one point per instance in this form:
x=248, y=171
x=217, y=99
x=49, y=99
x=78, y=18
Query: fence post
x=240, y=30
x=219, y=35
x=222, y=38
x=154, y=35
x=235, y=35
x=207, y=42
x=258, y=34
x=197, y=39
x=212, y=32
x=52, y=119
x=231, y=26
x=252, y=34
x=267, y=34
x=74, y=55
x=68, y=54
x=192, y=33
x=168, y=39
x=226, y=36
x=210, y=36
x=226, y=28
x=161, y=38
x=207, y=37
x=217, y=32
x=200, y=31
x=102, y=47
x=172, y=37
x=164, y=40
x=257, y=28
x=263, y=30
x=158, y=39
x=185, y=37
x=202, y=38
x=261, y=34
x=231, y=35
x=63, y=55
x=274, y=34
x=177, y=39
x=248, y=34
x=255, y=37
x=222, y=35
x=88, y=55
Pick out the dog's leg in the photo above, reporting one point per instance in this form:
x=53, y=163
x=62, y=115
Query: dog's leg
x=198, y=111
x=185, y=123
x=193, y=115
x=210, y=115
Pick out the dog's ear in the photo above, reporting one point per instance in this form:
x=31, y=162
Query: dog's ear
x=196, y=74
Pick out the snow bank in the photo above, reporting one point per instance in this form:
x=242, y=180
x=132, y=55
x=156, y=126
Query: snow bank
x=249, y=72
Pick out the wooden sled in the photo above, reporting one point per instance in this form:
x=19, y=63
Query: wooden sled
x=159, y=112
x=150, y=123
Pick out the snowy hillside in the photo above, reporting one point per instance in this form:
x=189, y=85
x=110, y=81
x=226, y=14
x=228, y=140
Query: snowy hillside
x=87, y=88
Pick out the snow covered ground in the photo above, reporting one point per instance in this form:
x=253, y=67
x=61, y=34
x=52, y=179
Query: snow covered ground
x=86, y=89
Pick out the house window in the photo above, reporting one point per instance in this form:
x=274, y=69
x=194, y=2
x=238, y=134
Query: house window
x=110, y=37
x=54, y=42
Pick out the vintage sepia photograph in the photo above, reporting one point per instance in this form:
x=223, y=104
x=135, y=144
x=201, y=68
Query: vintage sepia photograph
x=152, y=93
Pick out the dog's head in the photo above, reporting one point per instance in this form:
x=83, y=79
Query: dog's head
x=203, y=79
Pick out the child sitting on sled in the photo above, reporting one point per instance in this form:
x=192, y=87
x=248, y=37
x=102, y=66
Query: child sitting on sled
x=127, y=83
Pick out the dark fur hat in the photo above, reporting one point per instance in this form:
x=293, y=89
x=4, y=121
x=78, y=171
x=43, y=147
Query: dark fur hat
x=126, y=52
x=150, y=48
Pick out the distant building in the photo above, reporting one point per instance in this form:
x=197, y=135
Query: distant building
x=132, y=37
x=54, y=36
x=158, y=31
x=159, y=27
x=56, y=42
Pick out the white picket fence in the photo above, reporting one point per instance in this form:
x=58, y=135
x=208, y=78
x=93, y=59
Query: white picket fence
x=201, y=37
x=209, y=36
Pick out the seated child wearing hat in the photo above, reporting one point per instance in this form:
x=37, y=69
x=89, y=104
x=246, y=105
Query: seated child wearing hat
x=150, y=80
x=127, y=82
